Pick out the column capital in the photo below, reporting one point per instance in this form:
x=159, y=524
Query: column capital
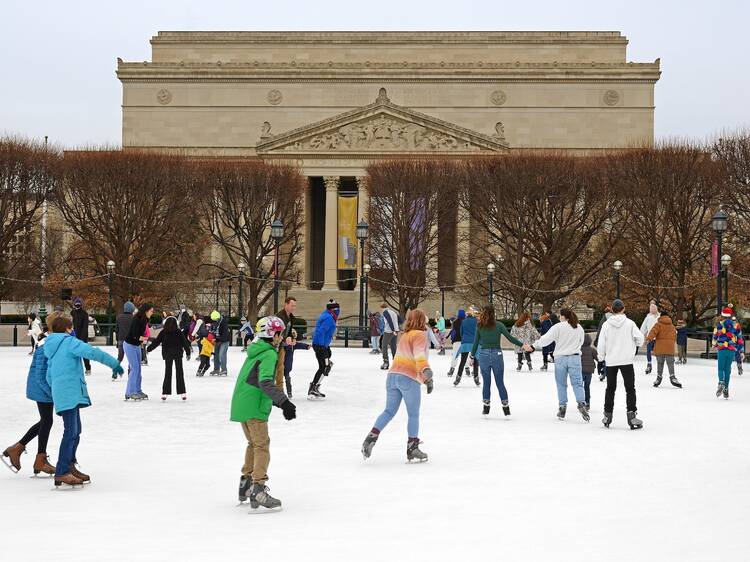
x=331, y=183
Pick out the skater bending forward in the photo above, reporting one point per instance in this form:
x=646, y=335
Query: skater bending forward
x=69, y=393
x=409, y=371
x=254, y=395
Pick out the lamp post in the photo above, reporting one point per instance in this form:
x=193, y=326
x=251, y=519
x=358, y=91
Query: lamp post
x=617, y=266
x=42, y=304
x=442, y=302
x=277, y=233
x=490, y=279
x=365, y=282
x=362, y=232
x=719, y=225
x=726, y=261
x=110, y=271
x=241, y=304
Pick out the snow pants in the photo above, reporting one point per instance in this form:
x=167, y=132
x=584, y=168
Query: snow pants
x=628, y=377
x=70, y=439
x=258, y=451
x=398, y=388
x=41, y=428
x=569, y=367
x=133, y=354
x=491, y=363
x=726, y=358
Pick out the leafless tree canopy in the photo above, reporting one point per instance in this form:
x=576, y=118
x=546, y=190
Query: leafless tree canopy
x=239, y=201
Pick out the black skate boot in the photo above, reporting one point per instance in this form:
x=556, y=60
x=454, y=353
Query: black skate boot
x=450, y=372
x=657, y=382
x=313, y=393
x=648, y=369
x=413, y=453
x=457, y=380
x=607, y=419
x=520, y=366
x=719, y=389
x=476, y=379
x=506, y=408
x=529, y=364
x=633, y=421
x=368, y=444
x=485, y=407
x=544, y=366
x=259, y=497
x=385, y=366
x=725, y=392
x=674, y=381
x=318, y=391
x=561, y=412
x=584, y=411
x=739, y=369
x=245, y=484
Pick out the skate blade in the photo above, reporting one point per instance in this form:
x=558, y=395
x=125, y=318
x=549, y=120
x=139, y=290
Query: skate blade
x=262, y=510
x=67, y=487
x=416, y=461
x=42, y=476
x=7, y=463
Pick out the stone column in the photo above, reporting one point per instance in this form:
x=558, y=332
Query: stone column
x=363, y=199
x=330, y=276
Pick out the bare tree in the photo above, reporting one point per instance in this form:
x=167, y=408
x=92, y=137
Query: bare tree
x=240, y=199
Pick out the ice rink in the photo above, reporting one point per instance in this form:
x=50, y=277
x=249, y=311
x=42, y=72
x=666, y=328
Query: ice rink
x=165, y=475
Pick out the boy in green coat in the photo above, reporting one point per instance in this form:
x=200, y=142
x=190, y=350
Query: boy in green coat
x=254, y=395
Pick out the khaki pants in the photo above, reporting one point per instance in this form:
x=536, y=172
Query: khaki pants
x=257, y=454
x=278, y=378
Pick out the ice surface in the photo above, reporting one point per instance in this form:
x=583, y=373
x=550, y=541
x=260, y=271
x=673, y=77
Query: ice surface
x=165, y=475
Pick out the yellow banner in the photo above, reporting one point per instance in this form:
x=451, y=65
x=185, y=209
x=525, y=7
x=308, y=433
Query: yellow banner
x=347, y=232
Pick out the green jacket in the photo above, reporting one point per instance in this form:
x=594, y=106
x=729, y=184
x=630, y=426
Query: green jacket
x=255, y=393
x=489, y=338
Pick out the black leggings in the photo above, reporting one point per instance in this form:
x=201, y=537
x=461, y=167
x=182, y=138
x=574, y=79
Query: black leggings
x=166, y=387
x=323, y=355
x=40, y=428
x=522, y=355
x=464, y=357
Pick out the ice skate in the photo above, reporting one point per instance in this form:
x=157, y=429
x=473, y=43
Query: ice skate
x=368, y=444
x=67, y=481
x=602, y=377
x=725, y=392
x=543, y=367
x=142, y=395
x=259, y=497
x=441, y=352
x=607, y=419
x=739, y=369
x=561, y=412
x=87, y=372
x=132, y=398
x=183, y=396
x=457, y=380
x=584, y=411
x=476, y=379
x=223, y=373
x=245, y=484
x=633, y=421
x=648, y=369
x=518, y=368
x=506, y=408
x=42, y=464
x=314, y=394
x=675, y=382
x=529, y=365
x=485, y=407
x=657, y=382
x=413, y=453
x=373, y=351
x=719, y=389
x=385, y=366
x=12, y=457
x=164, y=397
x=85, y=478
x=450, y=372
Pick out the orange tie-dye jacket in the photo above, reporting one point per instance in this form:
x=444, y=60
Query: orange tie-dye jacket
x=411, y=355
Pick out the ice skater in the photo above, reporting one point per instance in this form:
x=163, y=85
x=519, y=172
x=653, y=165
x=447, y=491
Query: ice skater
x=254, y=395
x=525, y=331
x=664, y=336
x=468, y=331
x=589, y=357
x=173, y=343
x=132, y=348
x=455, y=337
x=206, y=349
x=409, y=371
x=325, y=329
x=649, y=322
x=289, y=359
x=727, y=339
x=69, y=393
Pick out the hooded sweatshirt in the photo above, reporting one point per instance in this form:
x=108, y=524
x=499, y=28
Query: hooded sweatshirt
x=618, y=341
x=650, y=320
x=567, y=339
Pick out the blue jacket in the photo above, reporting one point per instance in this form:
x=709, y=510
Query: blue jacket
x=325, y=328
x=545, y=327
x=37, y=388
x=468, y=329
x=65, y=369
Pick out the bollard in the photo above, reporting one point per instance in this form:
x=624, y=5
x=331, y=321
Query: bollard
x=15, y=335
x=346, y=336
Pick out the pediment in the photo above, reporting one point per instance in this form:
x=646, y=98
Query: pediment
x=382, y=128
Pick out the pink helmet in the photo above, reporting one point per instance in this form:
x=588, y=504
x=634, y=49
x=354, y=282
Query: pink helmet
x=270, y=326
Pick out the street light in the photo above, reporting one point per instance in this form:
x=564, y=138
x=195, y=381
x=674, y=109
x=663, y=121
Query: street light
x=490, y=278
x=617, y=266
x=277, y=233
x=726, y=261
x=365, y=282
x=719, y=225
x=110, y=271
x=241, y=267
x=362, y=233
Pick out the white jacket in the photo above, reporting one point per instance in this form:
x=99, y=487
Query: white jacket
x=649, y=322
x=567, y=340
x=618, y=341
x=36, y=329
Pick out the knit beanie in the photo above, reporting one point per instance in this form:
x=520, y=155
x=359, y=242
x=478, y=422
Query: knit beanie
x=652, y=309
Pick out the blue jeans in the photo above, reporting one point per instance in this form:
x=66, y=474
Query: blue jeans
x=70, y=439
x=220, y=356
x=397, y=388
x=649, y=348
x=587, y=387
x=133, y=354
x=726, y=358
x=374, y=341
x=491, y=362
x=569, y=366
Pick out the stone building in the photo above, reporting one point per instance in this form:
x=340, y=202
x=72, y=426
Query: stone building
x=331, y=102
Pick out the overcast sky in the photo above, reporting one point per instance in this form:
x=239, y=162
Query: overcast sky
x=58, y=59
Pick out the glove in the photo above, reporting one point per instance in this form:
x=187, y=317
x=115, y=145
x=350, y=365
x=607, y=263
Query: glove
x=429, y=384
x=289, y=410
x=118, y=370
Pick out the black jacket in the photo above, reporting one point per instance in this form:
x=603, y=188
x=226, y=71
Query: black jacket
x=588, y=356
x=183, y=320
x=137, y=329
x=80, y=323
x=124, y=320
x=172, y=344
x=220, y=330
x=456, y=330
x=288, y=320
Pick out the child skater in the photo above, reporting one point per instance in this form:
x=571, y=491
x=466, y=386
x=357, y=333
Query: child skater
x=173, y=342
x=289, y=360
x=254, y=395
x=727, y=339
x=207, y=349
x=664, y=334
x=247, y=332
x=589, y=359
x=69, y=393
x=409, y=371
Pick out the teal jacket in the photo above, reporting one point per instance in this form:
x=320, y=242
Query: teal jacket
x=65, y=369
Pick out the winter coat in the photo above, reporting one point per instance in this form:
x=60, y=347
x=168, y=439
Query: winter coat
x=649, y=322
x=124, y=320
x=246, y=329
x=137, y=329
x=618, y=341
x=456, y=326
x=545, y=327
x=526, y=333
x=728, y=335
x=682, y=335
x=220, y=329
x=80, y=323
x=65, y=369
x=207, y=347
x=588, y=356
x=390, y=321
x=325, y=328
x=172, y=345
x=289, y=355
x=255, y=392
x=183, y=320
x=288, y=320
x=665, y=335
x=37, y=387
x=35, y=329
x=468, y=331
x=411, y=356
x=440, y=324
x=375, y=324
x=606, y=316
